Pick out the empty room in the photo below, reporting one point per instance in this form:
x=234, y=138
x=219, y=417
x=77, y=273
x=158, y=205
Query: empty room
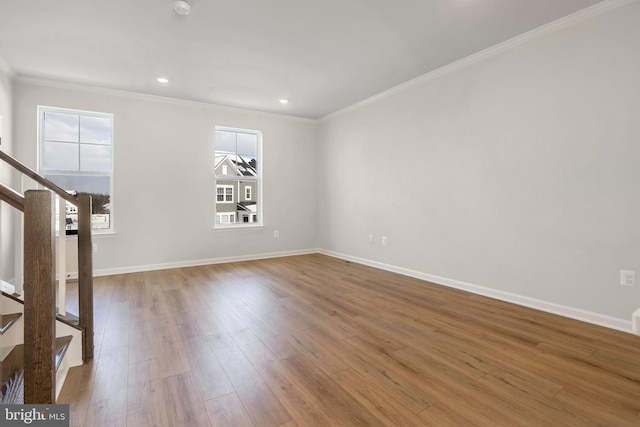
x=298, y=213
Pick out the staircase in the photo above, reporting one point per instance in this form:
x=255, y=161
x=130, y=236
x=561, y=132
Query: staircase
x=68, y=349
x=38, y=344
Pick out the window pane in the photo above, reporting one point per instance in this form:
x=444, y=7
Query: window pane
x=233, y=159
x=247, y=166
x=225, y=164
x=76, y=154
x=82, y=183
x=248, y=144
x=225, y=141
x=61, y=156
x=95, y=158
x=61, y=127
x=98, y=187
x=247, y=211
x=95, y=130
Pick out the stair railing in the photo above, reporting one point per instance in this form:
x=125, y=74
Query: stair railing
x=39, y=278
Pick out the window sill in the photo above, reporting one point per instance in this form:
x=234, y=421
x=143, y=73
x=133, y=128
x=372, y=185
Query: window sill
x=102, y=235
x=237, y=227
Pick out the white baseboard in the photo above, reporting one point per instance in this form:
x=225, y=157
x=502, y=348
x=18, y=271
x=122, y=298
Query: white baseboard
x=193, y=263
x=636, y=321
x=549, y=307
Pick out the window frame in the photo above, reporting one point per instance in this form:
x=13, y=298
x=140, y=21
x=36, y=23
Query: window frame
x=239, y=180
x=42, y=170
x=228, y=215
x=224, y=193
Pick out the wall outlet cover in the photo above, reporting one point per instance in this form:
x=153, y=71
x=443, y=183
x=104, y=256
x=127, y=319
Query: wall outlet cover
x=627, y=278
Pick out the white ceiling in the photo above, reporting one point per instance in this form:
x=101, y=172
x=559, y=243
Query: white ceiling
x=323, y=55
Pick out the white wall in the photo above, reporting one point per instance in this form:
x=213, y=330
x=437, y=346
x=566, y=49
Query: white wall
x=7, y=260
x=163, y=199
x=519, y=172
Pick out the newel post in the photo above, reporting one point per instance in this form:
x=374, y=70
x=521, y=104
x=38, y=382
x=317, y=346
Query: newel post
x=85, y=274
x=39, y=301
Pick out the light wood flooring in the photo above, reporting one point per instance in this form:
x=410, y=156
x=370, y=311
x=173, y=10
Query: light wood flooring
x=316, y=341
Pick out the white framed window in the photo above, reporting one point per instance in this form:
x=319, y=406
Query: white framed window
x=224, y=193
x=226, y=218
x=76, y=153
x=238, y=171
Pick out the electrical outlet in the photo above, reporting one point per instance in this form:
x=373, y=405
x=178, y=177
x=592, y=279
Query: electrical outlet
x=384, y=241
x=370, y=238
x=276, y=234
x=627, y=278
x=95, y=248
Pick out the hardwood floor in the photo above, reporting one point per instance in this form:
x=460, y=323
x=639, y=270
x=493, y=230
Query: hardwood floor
x=315, y=341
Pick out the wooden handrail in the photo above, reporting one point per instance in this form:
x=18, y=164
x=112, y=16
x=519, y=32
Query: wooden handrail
x=39, y=277
x=12, y=197
x=37, y=178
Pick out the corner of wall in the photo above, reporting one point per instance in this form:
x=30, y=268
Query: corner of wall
x=7, y=244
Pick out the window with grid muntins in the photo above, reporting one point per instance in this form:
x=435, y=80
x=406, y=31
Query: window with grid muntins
x=238, y=172
x=76, y=153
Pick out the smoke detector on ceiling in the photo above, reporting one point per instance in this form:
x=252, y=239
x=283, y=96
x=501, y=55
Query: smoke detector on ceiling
x=181, y=7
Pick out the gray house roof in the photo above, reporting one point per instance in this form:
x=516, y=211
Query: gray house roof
x=240, y=165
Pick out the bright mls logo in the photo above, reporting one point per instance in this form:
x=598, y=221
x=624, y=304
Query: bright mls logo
x=34, y=415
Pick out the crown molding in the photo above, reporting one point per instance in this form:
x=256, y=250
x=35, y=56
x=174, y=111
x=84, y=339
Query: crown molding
x=6, y=69
x=552, y=27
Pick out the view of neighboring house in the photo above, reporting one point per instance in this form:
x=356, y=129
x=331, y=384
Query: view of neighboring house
x=235, y=198
x=100, y=218
x=99, y=221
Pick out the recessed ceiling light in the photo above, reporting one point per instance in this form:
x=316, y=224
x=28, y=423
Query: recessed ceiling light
x=283, y=101
x=181, y=7
x=162, y=80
